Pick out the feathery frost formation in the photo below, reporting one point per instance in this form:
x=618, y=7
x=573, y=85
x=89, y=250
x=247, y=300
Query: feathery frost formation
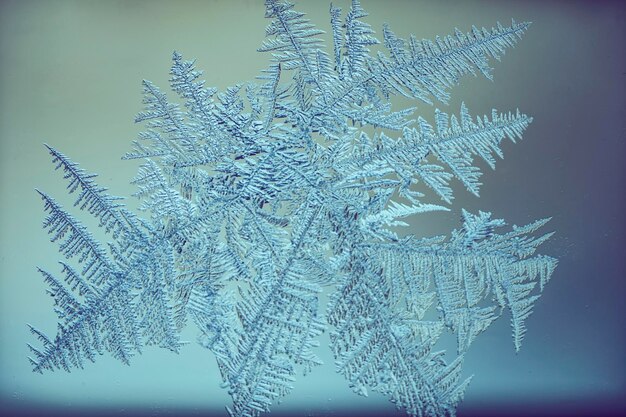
x=259, y=198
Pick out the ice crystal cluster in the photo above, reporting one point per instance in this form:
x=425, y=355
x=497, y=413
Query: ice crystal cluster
x=261, y=198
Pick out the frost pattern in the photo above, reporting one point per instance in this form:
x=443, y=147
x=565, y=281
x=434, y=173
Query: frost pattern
x=263, y=196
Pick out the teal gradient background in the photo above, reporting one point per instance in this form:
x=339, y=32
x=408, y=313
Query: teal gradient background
x=70, y=76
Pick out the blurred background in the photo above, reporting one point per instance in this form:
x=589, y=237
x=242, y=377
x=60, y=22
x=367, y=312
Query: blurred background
x=70, y=76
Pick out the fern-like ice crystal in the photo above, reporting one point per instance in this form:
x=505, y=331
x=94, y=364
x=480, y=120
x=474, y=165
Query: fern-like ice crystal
x=260, y=198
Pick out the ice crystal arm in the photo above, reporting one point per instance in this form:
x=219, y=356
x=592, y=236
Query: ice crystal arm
x=98, y=303
x=415, y=69
x=291, y=39
x=358, y=37
x=424, y=69
x=91, y=197
x=280, y=324
x=454, y=143
x=473, y=276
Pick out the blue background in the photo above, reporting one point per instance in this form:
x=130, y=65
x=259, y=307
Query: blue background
x=70, y=75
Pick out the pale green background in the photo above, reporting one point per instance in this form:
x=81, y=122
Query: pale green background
x=70, y=74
